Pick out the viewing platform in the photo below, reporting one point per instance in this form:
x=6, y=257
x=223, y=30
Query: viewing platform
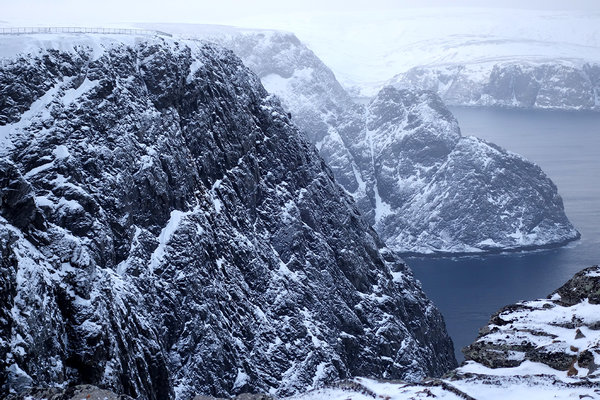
x=70, y=29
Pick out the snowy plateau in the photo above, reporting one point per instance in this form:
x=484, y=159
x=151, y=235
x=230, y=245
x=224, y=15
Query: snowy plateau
x=366, y=50
x=470, y=56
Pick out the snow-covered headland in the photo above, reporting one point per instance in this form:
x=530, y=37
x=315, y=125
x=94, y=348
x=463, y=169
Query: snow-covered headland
x=424, y=187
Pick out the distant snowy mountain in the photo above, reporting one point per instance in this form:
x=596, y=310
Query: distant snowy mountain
x=424, y=187
x=470, y=56
x=166, y=231
x=558, y=85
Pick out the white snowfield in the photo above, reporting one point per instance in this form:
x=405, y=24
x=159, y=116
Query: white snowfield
x=13, y=45
x=366, y=50
x=35, y=42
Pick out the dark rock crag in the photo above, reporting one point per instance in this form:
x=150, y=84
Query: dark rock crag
x=560, y=331
x=165, y=231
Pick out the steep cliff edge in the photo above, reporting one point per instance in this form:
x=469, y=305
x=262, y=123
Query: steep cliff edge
x=166, y=231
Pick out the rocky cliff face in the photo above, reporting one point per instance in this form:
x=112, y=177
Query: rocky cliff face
x=166, y=231
x=424, y=187
x=515, y=84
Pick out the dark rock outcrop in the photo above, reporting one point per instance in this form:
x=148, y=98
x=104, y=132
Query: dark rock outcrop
x=561, y=332
x=584, y=285
x=165, y=231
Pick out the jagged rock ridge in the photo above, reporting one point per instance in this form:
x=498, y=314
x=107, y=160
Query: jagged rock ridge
x=166, y=231
x=551, y=85
x=424, y=187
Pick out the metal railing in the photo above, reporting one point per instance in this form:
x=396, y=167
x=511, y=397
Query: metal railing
x=75, y=29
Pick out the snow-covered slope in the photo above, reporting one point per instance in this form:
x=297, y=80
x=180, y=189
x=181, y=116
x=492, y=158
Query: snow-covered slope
x=166, y=231
x=424, y=187
x=560, y=85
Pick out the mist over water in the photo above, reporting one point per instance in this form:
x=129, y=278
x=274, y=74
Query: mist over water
x=566, y=145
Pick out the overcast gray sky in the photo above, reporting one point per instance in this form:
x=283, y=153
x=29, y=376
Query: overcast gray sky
x=229, y=11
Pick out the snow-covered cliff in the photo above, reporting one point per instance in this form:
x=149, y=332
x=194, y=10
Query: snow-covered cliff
x=542, y=349
x=166, y=231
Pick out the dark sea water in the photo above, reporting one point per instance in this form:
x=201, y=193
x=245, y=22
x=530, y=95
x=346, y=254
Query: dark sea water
x=566, y=146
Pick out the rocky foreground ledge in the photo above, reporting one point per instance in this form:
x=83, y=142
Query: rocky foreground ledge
x=541, y=349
